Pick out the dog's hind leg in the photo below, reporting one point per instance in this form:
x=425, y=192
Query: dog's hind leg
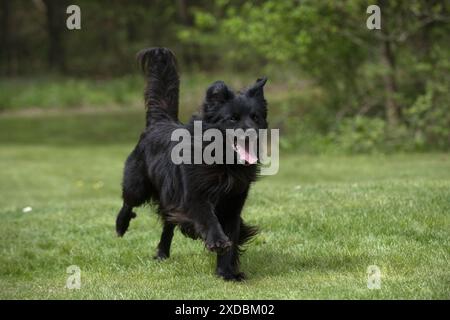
x=123, y=219
x=228, y=262
x=163, y=250
x=136, y=190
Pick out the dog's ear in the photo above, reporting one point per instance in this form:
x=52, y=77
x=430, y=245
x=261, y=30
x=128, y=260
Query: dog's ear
x=218, y=93
x=257, y=90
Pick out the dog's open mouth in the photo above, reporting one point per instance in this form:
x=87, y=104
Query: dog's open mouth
x=245, y=152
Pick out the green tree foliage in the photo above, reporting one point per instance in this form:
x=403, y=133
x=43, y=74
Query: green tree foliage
x=399, y=74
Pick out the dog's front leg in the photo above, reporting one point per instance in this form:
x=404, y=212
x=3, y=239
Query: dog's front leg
x=209, y=228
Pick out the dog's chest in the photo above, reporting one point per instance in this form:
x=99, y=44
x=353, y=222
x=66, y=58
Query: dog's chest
x=215, y=183
x=233, y=184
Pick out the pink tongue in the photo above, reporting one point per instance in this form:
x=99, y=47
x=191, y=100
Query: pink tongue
x=249, y=157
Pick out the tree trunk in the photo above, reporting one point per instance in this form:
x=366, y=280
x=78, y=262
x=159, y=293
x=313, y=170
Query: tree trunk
x=5, y=35
x=388, y=59
x=390, y=85
x=56, y=16
x=183, y=12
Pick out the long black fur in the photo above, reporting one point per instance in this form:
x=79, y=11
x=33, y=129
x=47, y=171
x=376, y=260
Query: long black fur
x=204, y=201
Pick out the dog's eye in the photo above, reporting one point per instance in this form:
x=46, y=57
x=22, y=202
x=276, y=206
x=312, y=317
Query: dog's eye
x=254, y=117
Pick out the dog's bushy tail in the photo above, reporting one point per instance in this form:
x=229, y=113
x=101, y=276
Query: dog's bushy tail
x=159, y=66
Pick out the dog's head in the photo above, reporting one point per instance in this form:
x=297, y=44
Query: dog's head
x=245, y=110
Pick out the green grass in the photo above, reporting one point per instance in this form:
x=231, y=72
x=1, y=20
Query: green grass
x=65, y=93
x=323, y=220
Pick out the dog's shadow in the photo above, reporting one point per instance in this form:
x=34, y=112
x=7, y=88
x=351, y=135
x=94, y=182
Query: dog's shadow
x=265, y=263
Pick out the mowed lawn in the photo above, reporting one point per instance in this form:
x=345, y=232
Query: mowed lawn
x=323, y=221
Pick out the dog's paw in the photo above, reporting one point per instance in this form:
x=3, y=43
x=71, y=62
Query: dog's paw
x=230, y=276
x=219, y=245
x=160, y=256
x=123, y=223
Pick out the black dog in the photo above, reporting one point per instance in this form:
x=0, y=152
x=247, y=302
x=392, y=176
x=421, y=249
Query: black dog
x=205, y=201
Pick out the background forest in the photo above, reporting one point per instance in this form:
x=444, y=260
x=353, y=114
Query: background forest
x=335, y=85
